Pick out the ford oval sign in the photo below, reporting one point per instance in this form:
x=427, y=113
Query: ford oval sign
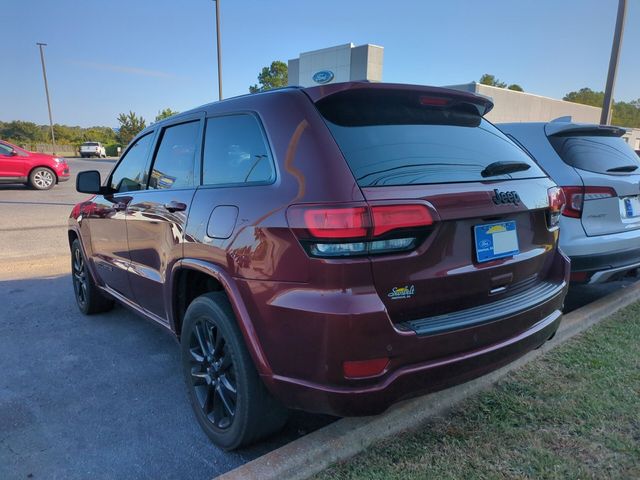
x=323, y=76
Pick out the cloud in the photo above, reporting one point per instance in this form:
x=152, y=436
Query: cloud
x=124, y=69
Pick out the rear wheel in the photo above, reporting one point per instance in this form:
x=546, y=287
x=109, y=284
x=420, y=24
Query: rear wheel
x=88, y=297
x=42, y=178
x=230, y=401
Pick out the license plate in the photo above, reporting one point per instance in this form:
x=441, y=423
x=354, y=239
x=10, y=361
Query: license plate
x=496, y=240
x=631, y=206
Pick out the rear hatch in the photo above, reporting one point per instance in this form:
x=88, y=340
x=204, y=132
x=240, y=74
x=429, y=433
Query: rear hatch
x=492, y=235
x=608, y=201
x=89, y=147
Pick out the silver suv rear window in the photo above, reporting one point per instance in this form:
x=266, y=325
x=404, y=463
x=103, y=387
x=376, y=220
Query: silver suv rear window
x=596, y=153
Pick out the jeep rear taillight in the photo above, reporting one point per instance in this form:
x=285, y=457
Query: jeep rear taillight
x=557, y=202
x=346, y=231
x=349, y=222
x=387, y=218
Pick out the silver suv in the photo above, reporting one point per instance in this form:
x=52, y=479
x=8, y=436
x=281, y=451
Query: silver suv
x=600, y=176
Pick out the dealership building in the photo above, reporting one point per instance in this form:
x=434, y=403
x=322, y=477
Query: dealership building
x=348, y=62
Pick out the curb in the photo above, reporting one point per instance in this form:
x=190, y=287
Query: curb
x=345, y=438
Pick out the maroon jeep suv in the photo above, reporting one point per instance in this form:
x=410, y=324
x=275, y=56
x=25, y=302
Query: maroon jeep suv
x=333, y=249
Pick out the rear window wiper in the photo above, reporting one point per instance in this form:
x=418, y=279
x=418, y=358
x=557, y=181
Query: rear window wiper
x=501, y=168
x=623, y=168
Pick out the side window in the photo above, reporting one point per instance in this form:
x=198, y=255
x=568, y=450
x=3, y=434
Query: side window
x=235, y=152
x=130, y=174
x=5, y=150
x=174, y=162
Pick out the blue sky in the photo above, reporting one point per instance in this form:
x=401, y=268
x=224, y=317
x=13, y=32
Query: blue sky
x=110, y=56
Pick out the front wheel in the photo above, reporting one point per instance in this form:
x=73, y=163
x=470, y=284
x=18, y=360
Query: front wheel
x=230, y=402
x=88, y=297
x=42, y=178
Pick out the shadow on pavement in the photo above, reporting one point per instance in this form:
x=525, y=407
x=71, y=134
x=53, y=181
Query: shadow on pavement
x=100, y=396
x=581, y=295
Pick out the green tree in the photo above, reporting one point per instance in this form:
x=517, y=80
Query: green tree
x=624, y=114
x=586, y=96
x=166, y=113
x=28, y=133
x=516, y=87
x=274, y=76
x=130, y=126
x=491, y=80
x=20, y=132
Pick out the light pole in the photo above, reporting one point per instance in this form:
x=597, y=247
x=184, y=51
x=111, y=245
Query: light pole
x=217, y=2
x=46, y=89
x=605, y=116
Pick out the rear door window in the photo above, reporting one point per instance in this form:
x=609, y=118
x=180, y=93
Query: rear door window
x=396, y=139
x=596, y=153
x=236, y=152
x=174, y=162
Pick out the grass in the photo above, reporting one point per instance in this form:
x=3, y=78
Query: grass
x=573, y=413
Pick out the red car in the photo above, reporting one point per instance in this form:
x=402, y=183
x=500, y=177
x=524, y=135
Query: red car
x=333, y=249
x=39, y=170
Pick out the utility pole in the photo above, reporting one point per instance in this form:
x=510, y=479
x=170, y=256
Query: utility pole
x=46, y=89
x=605, y=117
x=217, y=2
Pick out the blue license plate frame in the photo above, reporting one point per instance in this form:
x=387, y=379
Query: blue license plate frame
x=503, y=235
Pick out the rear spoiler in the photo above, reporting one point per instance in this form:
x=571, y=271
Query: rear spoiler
x=563, y=127
x=482, y=104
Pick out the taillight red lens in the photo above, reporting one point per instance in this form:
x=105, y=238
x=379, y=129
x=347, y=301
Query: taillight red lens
x=354, y=230
x=556, y=199
x=364, y=368
x=392, y=217
x=349, y=222
x=576, y=196
x=434, y=101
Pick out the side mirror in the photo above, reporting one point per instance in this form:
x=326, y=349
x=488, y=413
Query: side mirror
x=13, y=153
x=88, y=182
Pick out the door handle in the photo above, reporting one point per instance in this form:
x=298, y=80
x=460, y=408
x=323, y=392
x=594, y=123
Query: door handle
x=119, y=206
x=174, y=206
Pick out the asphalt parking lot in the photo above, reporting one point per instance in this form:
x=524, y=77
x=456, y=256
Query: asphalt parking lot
x=89, y=397
x=100, y=396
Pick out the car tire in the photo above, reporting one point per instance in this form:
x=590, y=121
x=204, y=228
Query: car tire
x=229, y=399
x=42, y=178
x=89, y=298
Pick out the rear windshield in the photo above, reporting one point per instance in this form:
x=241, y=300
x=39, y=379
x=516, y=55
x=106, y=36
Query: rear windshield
x=600, y=154
x=90, y=144
x=398, y=140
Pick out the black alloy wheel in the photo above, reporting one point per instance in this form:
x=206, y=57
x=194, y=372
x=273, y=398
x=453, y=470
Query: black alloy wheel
x=229, y=399
x=88, y=296
x=213, y=374
x=79, y=272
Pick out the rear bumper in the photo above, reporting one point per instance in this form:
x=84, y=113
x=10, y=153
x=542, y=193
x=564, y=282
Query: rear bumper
x=306, y=334
x=413, y=380
x=603, y=267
